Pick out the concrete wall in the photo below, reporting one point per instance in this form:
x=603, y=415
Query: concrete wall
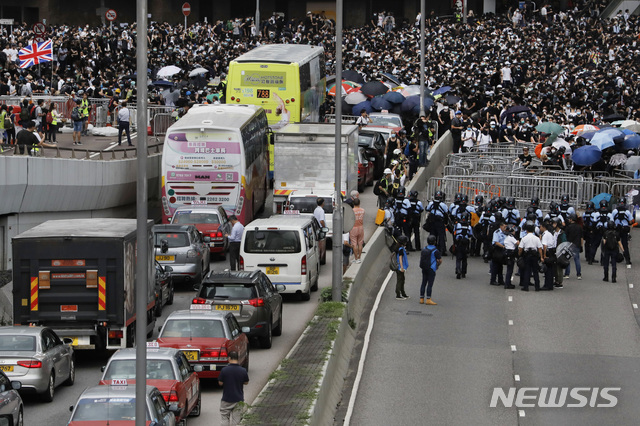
x=365, y=281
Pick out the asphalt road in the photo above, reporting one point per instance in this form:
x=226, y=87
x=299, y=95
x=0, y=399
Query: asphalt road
x=263, y=361
x=439, y=365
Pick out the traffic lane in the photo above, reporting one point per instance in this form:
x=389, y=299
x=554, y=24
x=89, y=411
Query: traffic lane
x=584, y=335
x=437, y=364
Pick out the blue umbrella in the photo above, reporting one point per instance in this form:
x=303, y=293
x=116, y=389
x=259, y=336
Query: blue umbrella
x=628, y=132
x=379, y=103
x=631, y=142
x=163, y=83
x=442, y=90
x=394, y=97
x=616, y=134
x=602, y=196
x=392, y=78
x=588, y=135
x=586, y=155
x=602, y=141
x=366, y=105
x=412, y=104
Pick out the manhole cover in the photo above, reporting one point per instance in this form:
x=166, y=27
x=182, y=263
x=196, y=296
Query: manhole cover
x=419, y=313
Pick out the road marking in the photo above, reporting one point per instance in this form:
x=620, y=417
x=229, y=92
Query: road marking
x=630, y=285
x=114, y=144
x=510, y=322
x=510, y=298
x=521, y=413
x=517, y=377
x=635, y=306
x=513, y=348
x=365, y=347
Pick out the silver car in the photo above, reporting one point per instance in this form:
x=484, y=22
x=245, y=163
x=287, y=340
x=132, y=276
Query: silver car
x=37, y=358
x=11, y=408
x=117, y=403
x=184, y=249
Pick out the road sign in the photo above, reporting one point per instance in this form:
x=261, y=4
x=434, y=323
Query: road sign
x=39, y=29
x=111, y=15
x=186, y=9
x=6, y=21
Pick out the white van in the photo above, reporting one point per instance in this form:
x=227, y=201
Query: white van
x=285, y=247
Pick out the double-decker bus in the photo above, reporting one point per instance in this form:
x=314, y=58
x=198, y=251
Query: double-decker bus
x=217, y=155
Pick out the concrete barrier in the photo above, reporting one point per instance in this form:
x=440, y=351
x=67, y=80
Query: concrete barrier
x=364, y=280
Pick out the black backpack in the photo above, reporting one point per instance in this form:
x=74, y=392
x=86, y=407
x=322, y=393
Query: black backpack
x=610, y=240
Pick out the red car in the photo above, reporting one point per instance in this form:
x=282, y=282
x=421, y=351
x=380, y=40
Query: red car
x=167, y=369
x=211, y=221
x=206, y=336
x=366, y=167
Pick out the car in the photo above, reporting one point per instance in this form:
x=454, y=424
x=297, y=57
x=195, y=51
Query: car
x=306, y=202
x=385, y=119
x=374, y=142
x=38, y=358
x=211, y=221
x=116, y=405
x=206, y=337
x=365, y=169
x=11, y=407
x=250, y=296
x=184, y=249
x=167, y=369
x=164, y=287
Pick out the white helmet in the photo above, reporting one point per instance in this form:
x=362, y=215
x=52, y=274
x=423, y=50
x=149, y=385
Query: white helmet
x=387, y=171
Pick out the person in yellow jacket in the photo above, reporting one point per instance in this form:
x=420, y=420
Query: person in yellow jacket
x=53, y=125
x=84, y=111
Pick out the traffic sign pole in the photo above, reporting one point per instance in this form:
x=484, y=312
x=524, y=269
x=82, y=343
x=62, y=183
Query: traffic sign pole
x=186, y=10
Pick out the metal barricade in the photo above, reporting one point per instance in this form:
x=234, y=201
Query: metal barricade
x=452, y=185
x=624, y=190
x=160, y=123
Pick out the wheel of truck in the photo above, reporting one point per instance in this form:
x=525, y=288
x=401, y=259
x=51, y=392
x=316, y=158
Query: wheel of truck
x=47, y=396
x=267, y=340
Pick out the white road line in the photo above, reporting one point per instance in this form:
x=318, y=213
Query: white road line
x=510, y=322
x=521, y=413
x=365, y=347
x=635, y=306
x=510, y=298
x=630, y=285
x=113, y=144
x=517, y=377
x=513, y=348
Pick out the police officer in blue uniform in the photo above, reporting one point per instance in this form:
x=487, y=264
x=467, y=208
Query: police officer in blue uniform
x=497, y=242
x=622, y=219
x=510, y=214
x=462, y=234
x=565, y=208
x=437, y=220
x=412, y=225
x=589, y=221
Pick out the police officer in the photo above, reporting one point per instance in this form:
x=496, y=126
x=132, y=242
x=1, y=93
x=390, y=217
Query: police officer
x=414, y=210
x=510, y=246
x=611, y=244
x=565, y=208
x=400, y=211
x=601, y=219
x=622, y=219
x=589, y=225
x=510, y=214
x=461, y=208
x=437, y=220
x=530, y=249
x=483, y=223
x=497, y=242
x=554, y=212
x=480, y=230
x=548, y=241
x=535, y=203
x=462, y=234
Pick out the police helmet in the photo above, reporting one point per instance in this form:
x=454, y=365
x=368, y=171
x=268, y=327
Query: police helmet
x=501, y=201
x=591, y=207
x=457, y=198
x=431, y=240
x=465, y=199
x=492, y=206
x=390, y=202
x=413, y=195
x=511, y=202
x=564, y=199
x=530, y=210
x=498, y=216
x=535, y=202
x=466, y=217
x=622, y=205
x=553, y=206
x=400, y=193
x=604, y=204
x=479, y=199
x=510, y=229
x=439, y=195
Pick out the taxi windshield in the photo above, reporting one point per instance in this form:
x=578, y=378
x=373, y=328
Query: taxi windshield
x=196, y=217
x=187, y=327
x=157, y=369
x=91, y=409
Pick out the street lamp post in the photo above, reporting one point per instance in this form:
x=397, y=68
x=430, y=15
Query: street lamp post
x=422, y=29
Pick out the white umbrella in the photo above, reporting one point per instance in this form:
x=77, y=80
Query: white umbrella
x=618, y=159
x=168, y=71
x=198, y=71
x=632, y=125
x=355, y=98
x=562, y=143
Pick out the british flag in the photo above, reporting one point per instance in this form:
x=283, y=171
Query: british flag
x=36, y=53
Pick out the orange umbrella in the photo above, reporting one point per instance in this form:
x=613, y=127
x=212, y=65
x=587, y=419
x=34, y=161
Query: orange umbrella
x=584, y=128
x=538, y=150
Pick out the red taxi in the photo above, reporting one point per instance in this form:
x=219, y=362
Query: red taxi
x=206, y=336
x=167, y=369
x=210, y=220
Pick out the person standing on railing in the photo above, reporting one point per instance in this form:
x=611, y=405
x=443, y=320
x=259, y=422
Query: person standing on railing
x=123, y=123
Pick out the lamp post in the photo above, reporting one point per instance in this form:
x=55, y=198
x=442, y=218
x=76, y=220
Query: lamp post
x=422, y=20
x=336, y=252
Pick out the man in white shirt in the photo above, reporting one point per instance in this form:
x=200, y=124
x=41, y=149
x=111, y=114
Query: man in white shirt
x=530, y=249
x=468, y=138
x=123, y=123
x=318, y=213
x=235, y=237
x=548, y=241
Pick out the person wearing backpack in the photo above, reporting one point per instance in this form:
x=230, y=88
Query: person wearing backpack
x=3, y=116
x=402, y=260
x=623, y=219
x=412, y=225
x=430, y=260
x=76, y=118
x=10, y=126
x=381, y=188
x=611, y=245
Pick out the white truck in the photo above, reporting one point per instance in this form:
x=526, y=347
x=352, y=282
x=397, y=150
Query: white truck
x=304, y=161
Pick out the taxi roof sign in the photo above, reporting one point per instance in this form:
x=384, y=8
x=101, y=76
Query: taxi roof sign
x=291, y=212
x=201, y=307
x=153, y=344
x=119, y=382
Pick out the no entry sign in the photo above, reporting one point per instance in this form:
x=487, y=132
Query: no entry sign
x=39, y=28
x=186, y=9
x=111, y=15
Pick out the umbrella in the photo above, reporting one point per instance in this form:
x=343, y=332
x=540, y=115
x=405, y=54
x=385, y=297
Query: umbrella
x=168, y=71
x=627, y=131
x=618, y=159
x=162, y=83
x=374, y=88
x=394, y=97
x=584, y=128
x=613, y=117
x=561, y=143
x=442, y=90
x=379, y=103
x=631, y=142
x=346, y=88
x=355, y=98
x=616, y=134
x=411, y=105
x=602, y=196
x=632, y=125
x=352, y=75
x=366, y=105
x=538, y=150
x=602, y=141
x=551, y=139
x=617, y=123
x=198, y=71
x=452, y=99
x=550, y=127
x=588, y=135
x=633, y=163
x=392, y=78
x=396, y=109
x=586, y=155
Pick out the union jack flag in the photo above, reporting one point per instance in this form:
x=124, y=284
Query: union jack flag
x=36, y=53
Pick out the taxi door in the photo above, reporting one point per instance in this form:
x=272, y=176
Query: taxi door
x=190, y=382
x=239, y=341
